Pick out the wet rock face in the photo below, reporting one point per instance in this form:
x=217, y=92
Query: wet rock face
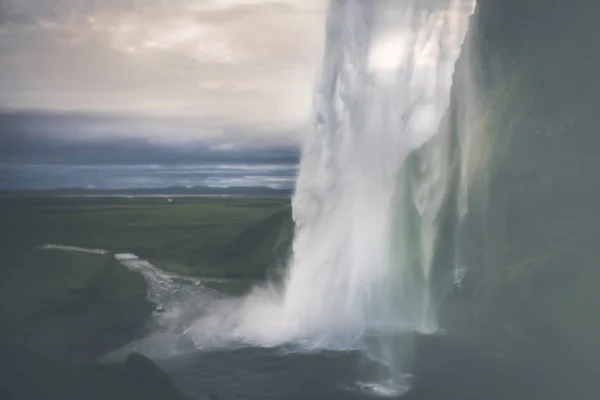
x=449, y=368
x=529, y=238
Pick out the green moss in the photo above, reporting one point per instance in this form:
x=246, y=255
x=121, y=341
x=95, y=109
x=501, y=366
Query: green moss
x=69, y=305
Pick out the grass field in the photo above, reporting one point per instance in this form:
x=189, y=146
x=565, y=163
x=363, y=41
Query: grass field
x=217, y=237
x=76, y=306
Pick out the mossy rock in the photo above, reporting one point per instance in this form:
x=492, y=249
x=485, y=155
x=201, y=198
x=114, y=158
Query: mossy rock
x=75, y=306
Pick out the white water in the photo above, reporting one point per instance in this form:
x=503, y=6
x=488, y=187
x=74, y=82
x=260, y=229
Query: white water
x=73, y=248
x=360, y=274
x=361, y=266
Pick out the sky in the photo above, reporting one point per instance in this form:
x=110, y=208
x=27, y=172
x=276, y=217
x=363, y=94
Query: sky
x=91, y=86
x=119, y=82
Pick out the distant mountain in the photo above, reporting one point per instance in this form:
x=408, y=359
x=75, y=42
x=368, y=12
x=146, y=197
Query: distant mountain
x=165, y=191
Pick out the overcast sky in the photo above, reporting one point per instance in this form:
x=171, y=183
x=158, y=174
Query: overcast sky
x=225, y=63
x=87, y=83
x=101, y=93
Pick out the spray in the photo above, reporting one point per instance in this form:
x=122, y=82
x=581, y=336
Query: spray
x=360, y=274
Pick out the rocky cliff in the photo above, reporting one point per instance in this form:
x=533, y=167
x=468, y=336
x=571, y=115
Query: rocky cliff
x=522, y=211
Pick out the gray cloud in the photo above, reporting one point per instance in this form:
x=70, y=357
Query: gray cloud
x=49, y=139
x=240, y=62
x=44, y=151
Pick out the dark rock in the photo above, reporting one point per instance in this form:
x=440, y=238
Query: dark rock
x=448, y=368
x=529, y=238
x=25, y=375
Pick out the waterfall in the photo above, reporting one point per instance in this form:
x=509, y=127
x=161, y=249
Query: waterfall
x=360, y=274
x=361, y=262
x=364, y=243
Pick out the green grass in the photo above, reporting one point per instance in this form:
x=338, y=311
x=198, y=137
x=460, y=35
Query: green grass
x=71, y=305
x=190, y=237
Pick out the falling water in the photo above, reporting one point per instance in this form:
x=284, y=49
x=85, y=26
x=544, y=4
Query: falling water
x=359, y=265
x=360, y=273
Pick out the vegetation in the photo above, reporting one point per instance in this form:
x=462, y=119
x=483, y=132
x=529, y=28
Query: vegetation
x=60, y=310
x=80, y=305
x=193, y=236
x=71, y=306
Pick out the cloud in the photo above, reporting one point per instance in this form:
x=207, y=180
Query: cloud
x=52, y=139
x=244, y=62
x=41, y=151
